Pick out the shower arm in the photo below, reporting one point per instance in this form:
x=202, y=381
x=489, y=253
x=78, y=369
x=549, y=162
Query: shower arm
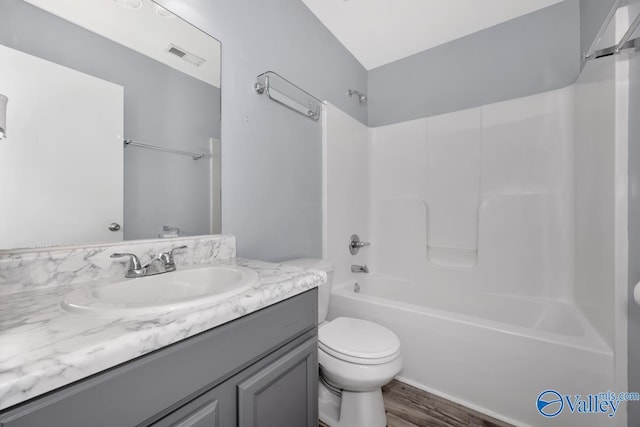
x=362, y=98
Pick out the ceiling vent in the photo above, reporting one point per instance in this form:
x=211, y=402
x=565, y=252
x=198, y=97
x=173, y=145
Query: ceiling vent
x=184, y=55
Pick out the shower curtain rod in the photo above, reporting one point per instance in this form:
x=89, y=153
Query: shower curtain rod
x=624, y=43
x=614, y=50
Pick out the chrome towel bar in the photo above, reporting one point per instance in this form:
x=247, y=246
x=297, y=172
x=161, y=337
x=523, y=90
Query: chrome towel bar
x=287, y=94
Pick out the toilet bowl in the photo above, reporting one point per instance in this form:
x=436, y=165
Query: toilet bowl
x=356, y=359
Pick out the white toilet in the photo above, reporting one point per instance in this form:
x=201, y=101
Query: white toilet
x=356, y=359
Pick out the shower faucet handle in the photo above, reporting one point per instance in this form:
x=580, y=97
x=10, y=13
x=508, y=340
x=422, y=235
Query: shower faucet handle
x=355, y=244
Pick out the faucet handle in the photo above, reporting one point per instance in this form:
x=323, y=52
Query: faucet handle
x=167, y=257
x=177, y=248
x=135, y=267
x=355, y=244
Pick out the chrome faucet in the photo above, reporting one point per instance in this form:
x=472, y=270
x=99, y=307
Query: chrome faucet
x=359, y=269
x=161, y=263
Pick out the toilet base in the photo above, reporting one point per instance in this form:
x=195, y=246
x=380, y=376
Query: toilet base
x=352, y=409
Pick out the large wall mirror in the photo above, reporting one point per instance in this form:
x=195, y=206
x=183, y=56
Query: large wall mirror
x=112, y=123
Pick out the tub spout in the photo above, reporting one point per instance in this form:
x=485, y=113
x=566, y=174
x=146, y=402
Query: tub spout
x=359, y=269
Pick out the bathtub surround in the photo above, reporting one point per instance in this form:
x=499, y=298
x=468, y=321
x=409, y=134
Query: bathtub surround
x=471, y=198
x=497, y=231
x=48, y=268
x=346, y=195
x=595, y=201
x=44, y=347
x=603, y=120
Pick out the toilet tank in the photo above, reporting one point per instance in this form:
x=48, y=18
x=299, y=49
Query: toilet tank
x=324, y=290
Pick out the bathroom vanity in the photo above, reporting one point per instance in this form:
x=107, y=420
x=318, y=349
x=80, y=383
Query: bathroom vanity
x=245, y=360
x=260, y=370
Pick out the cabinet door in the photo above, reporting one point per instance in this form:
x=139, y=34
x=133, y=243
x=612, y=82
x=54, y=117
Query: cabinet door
x=205, y=416
x=203, y=411
x=284, y=393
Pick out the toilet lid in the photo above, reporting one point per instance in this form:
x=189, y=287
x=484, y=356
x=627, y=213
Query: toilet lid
x=349, y=339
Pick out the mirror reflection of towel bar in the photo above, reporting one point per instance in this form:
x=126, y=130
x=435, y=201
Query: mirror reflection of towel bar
x=194, y=156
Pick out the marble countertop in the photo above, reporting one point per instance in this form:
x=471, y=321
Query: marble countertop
x=43, y=347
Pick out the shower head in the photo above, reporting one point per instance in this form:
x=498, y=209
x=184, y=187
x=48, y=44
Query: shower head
x=362, y=98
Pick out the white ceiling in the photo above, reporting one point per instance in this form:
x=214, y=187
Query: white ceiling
x=144, y=31
x=377, y=32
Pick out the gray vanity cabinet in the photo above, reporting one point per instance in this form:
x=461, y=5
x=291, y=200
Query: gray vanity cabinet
x=284, y=393
x=279, y=391
x=257, y=371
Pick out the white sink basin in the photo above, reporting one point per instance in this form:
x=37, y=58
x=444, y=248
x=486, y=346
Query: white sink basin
x=160, y=293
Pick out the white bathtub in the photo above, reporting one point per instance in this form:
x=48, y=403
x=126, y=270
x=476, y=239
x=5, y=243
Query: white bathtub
x=490, y=352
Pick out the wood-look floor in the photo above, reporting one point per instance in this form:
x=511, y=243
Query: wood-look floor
x=408, y=406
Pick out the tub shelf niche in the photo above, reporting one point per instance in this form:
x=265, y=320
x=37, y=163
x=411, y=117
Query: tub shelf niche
x=452, y=257
x=506, y=224
x=448, y=256
x=519, y=238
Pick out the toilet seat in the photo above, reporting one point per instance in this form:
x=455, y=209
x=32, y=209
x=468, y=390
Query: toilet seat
x=358, y=341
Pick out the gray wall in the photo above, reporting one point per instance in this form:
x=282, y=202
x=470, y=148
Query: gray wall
x=634, y=233
x=161, y=105
x=527, y=55
x=272, y=157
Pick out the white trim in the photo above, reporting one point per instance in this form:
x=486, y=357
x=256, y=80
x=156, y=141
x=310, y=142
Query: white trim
x=325, y=174
x=621, y=226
